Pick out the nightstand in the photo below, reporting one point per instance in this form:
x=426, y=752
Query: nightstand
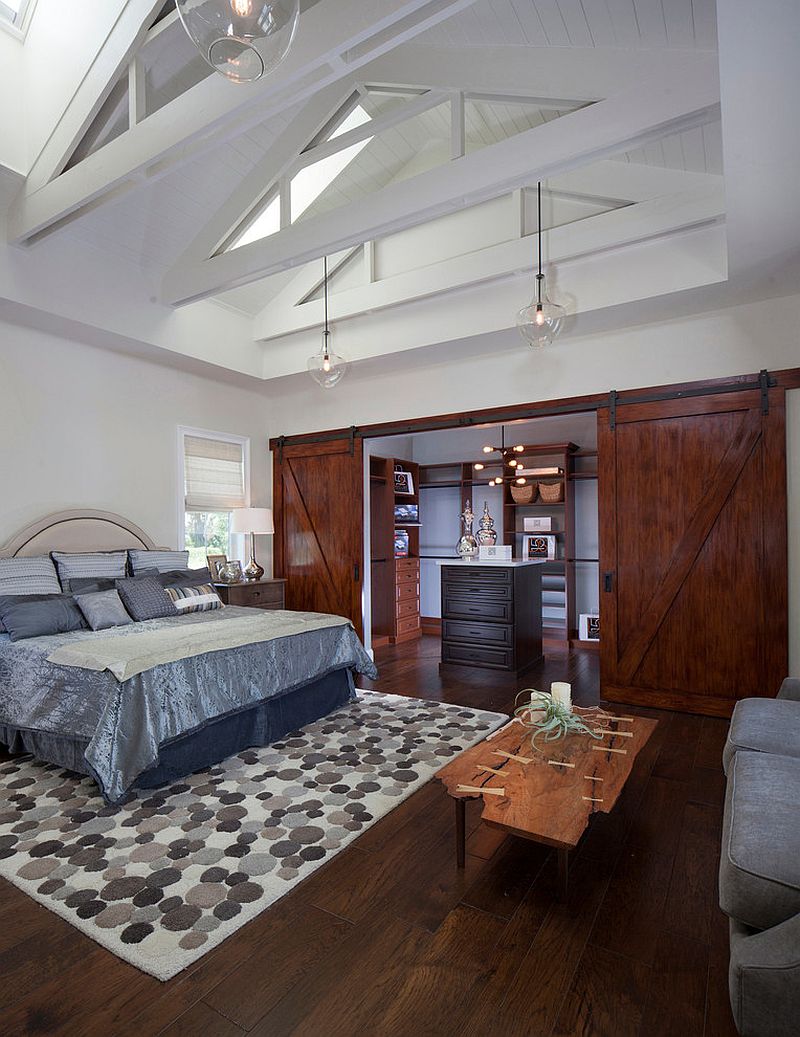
x=255, y=594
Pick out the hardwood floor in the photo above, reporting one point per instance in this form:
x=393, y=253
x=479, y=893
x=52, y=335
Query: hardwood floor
x=389, y=938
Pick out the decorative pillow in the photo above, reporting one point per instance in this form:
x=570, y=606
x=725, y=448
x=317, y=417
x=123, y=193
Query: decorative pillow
x=28, y=576
x=145, y=599
x=103, y=610
x=93, y=585
x=164, y=561
x=109, y=565
x=36, y=615
x=184, y=577
x=197, y=598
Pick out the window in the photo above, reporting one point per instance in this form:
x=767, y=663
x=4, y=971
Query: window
x=308, y=184
x=216, y=479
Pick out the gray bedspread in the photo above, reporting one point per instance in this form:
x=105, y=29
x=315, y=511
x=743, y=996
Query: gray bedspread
x=122, y=725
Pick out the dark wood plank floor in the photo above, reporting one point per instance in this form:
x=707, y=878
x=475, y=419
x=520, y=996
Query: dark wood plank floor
x=389, y=938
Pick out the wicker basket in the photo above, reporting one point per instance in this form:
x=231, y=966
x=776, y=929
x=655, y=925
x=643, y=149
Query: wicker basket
x=551, y=492
x=524, y=494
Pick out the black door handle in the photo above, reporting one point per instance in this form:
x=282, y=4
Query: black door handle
x=356, y=572
x=608, y=582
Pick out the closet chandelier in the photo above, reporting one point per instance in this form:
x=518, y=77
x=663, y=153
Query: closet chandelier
x=541, y=321
x=241, y=39
x=326, y=367
x=508, y=460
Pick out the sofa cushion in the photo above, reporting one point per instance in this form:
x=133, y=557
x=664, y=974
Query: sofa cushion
x=764, y=726
x=759, y=875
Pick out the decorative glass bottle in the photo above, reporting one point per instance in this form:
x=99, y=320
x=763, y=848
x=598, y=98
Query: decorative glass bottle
x=487, y=534
x=467, y=546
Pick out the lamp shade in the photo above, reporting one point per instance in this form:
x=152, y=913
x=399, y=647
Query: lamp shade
x=252, y=520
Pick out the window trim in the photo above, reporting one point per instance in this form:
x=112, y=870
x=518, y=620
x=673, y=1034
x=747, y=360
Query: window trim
x=202, y=433
x=17, y=25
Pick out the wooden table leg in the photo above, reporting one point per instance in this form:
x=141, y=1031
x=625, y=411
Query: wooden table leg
x=461, y=829
x=563, y=874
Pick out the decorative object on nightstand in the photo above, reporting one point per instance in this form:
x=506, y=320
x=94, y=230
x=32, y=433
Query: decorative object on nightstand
x=252, y=521
x=230, y=572
x=215, y=563
x=487, y=534
x=467, y=546
x=259, y=594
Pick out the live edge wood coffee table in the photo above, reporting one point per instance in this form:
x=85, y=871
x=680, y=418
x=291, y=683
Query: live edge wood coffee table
x=545, y=795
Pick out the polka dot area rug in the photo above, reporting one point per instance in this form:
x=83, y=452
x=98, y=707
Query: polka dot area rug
x=170, y=873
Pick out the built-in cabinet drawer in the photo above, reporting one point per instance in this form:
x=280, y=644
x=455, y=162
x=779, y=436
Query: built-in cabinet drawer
x=489, y=610
x=499, y=635
x=407, y=626
x=408, y=589
x=485, y=578
x=472, y=655
x=408, y=608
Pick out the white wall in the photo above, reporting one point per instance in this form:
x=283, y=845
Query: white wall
x=497, y=370
x=82, y=427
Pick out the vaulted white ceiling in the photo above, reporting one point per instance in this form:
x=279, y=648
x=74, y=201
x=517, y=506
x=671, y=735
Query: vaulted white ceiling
x=145, y=163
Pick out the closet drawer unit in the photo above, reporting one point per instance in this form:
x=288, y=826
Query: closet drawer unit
x=470, y=655
x=494, y=592
x=407, y=589
x=490, y=635
x=408, y=608
x=488, y=611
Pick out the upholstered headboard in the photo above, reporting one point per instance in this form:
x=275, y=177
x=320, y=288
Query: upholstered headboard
x=77, y=531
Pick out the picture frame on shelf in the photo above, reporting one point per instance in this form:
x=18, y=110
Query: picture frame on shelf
x=538, y=524
x=403, y=483
x=401, y=543
x=589, y=626
x=536, y=546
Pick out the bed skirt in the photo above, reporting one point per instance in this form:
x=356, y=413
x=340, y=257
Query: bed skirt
x=216, y=740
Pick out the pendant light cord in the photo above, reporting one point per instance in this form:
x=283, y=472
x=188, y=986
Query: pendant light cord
x=539, y=277
x=325, y=287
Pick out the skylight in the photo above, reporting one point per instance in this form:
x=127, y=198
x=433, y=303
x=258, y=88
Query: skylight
x=309, y=183
x=13, y=11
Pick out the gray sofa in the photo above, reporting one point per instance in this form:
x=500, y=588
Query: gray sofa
x=759, y=876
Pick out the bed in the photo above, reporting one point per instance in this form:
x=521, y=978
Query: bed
x=141, y=706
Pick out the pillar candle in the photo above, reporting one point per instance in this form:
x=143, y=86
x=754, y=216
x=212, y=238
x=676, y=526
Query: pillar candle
x=562, y=694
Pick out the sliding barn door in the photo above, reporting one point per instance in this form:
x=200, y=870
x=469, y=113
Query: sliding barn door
x=319, y=526
x=693, y=577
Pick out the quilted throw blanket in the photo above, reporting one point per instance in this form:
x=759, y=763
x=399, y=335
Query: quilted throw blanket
x=133, y=649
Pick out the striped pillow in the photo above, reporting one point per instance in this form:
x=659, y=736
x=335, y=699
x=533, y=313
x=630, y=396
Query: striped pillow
x=195, y=599
x=106, y=565
x=28, y=576
x=164, y=561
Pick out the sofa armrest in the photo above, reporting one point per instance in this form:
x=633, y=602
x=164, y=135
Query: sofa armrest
x=790, y=689
x=764, y=979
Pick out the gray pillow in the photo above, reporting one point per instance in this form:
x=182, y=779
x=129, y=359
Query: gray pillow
x=164, y=561
x=185, y=577
x=37, y=615
x=103, y=610
x=28, y=576
x=146, y=599
x=93, y=584
x=107, y=565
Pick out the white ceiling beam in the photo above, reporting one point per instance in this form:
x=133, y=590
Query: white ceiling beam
x=564, y=76
x=334, y=40
x=602, y=129
x=126, y=36
x=629, y=181
x=645, y=222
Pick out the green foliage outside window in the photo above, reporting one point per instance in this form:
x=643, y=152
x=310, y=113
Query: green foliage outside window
x=207, y=532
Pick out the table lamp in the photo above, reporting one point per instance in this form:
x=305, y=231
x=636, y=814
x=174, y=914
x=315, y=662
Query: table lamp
x=252, y=521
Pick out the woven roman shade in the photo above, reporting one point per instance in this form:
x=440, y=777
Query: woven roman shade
x=214, y=474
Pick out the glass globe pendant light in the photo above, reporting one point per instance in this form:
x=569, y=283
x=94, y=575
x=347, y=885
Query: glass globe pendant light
x=242, y=39
x=541, y=321
x=326, y=367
